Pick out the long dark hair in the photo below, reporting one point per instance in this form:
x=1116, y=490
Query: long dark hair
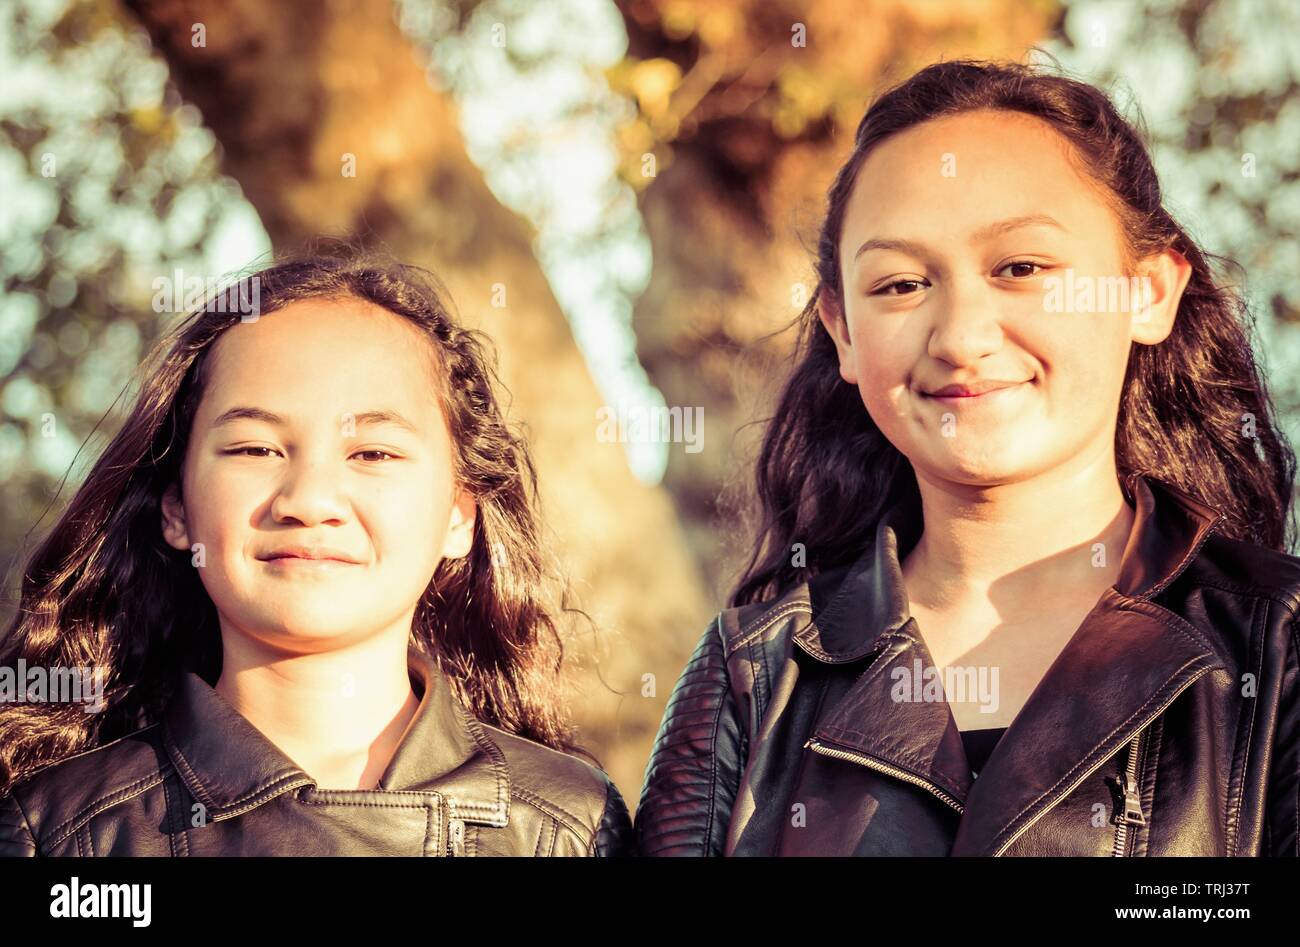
x=104, y=590
x=825, y=472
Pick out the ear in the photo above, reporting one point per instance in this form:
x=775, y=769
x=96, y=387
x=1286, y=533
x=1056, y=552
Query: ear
x=174, y=528
x=460, y=527
x=1162, y=279
x=832, y=317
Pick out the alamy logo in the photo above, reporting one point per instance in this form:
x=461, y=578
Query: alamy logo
x=76, y=684
x=955, y=684
x=1071, y=293
x=103, y=900
x=186, y=293
x=649, y=424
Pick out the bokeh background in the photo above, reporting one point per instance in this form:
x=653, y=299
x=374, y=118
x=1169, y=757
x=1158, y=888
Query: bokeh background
x=621, y=193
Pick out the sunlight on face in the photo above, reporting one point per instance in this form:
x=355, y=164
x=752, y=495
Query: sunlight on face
x=940, y=296
x=300, y=440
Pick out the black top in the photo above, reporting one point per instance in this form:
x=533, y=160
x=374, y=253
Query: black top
x=979, y=744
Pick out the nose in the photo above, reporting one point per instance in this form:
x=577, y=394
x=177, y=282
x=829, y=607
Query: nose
x=310, y=493
x=967, y=324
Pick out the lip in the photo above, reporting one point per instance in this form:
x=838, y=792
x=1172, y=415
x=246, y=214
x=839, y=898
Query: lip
x=319, y=555
x=300, y=563
x=965, y=394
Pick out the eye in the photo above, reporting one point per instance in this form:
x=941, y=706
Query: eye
x=884, y=290
x=243, y=451
x=1023, y=263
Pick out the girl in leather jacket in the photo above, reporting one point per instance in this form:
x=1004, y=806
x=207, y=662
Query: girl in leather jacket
x=1020, y=582
x=307, y=587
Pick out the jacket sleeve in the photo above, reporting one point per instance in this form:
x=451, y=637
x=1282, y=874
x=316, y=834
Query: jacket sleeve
x=1284, y=772
x=15, y=835
x=695, y=766
x=614, y=834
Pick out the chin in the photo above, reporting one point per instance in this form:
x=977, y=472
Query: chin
x=307, y=633
x=978, y=472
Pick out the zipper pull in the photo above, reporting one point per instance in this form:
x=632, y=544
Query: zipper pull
x=456, y=837
x=1132, y=803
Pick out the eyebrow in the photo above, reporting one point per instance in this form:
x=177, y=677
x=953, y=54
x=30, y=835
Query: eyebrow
x=986, y=232
x=243, y=412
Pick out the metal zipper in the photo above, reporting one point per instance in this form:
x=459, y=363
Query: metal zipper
x=1129, y=810
x=1069, y=789
x=456, y=837
x=870, y=762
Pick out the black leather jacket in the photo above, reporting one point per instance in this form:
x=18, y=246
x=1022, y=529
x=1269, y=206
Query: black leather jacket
x=1168, y=725
x=204, y=781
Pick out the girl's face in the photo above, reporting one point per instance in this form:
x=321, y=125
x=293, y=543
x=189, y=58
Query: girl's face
x=947, y=253
x=320, y=427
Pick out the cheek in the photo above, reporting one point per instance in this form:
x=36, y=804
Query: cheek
x=883, y=366
x=406, y=516
x=1084, y=356
x=218, y=506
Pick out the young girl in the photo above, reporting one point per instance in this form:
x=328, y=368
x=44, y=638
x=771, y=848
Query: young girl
x=1020, y=583
x=307, y=573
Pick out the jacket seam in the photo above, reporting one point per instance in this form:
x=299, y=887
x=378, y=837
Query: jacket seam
x=765, y=621
x=1256, y=652
x=546, y=808
x=494, y=753
x=263, y=795
x=759, y=655
x=546, y=824
x=1178, y=570
x=711, y=825
x=595, y=836
x=172, y=810
x=27, y=824
x=236, y=806
x=428, y=804
x=89, y=811
x=1151, y=758
x=1289, y=603
x=1174, y=622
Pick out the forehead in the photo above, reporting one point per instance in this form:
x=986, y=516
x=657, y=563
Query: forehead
x=324, y=357
x=954, y=173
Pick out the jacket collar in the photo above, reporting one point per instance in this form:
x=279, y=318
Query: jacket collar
x=231, y=767
x=1123, y=665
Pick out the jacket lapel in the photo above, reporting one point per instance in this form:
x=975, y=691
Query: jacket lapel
x=447, y=751
x=1126, y=661
x=917, y=736
x=230, y=766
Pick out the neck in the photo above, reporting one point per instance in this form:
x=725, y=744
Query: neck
x=1033, y=538
x=340, y=714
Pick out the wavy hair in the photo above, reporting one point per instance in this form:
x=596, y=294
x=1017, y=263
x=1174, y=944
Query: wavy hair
x=825, y=470
x=103, y=588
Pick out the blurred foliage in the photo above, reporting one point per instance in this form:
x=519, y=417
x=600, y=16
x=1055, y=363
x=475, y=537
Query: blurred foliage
x=1217, y=83
x=107, y=179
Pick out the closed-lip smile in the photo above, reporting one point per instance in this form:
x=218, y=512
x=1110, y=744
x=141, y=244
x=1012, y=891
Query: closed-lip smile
x=318, y=553
x=972, y=390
